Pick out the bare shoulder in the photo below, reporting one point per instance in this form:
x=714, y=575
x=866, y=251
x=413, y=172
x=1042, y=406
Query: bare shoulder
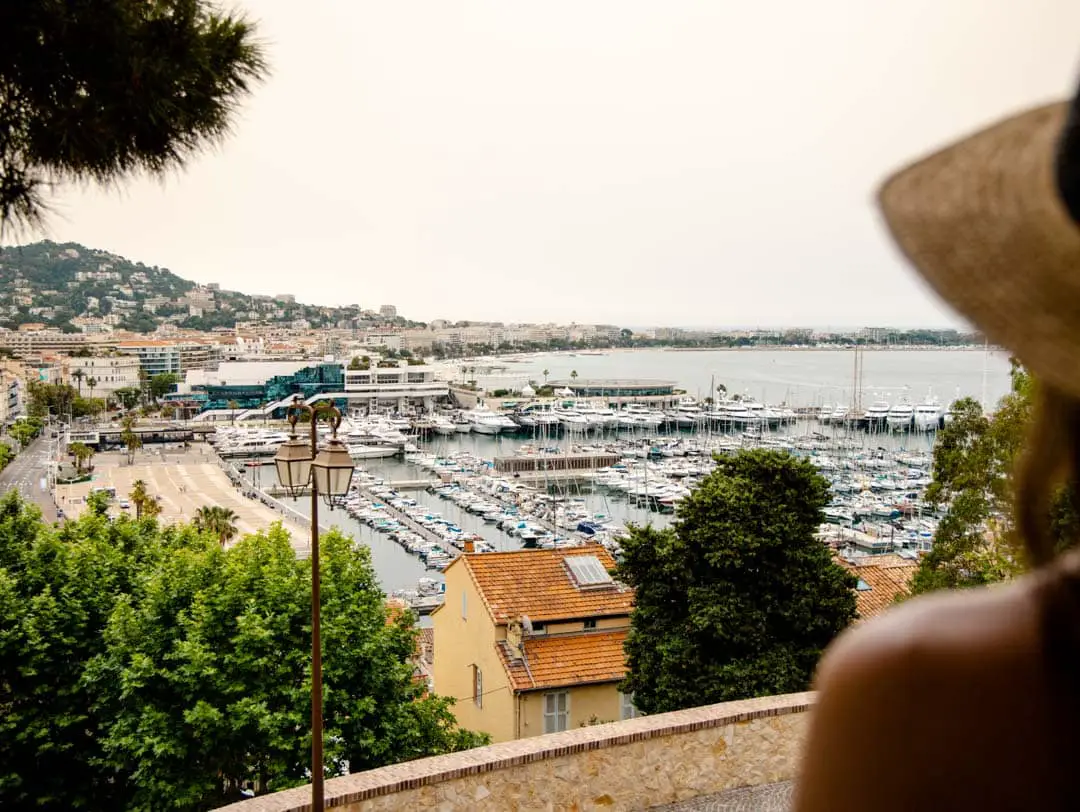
x=939, y=634
x=914, y=687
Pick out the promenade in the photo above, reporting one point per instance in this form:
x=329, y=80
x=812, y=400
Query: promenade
x=185, y=480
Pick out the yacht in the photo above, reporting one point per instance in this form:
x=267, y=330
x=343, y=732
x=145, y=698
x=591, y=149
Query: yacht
x=257, y=444
x=371, y=452
x=485, y=421
x=442, y=425
x=928, y=414
x=572, y=419
x=900, y=416
x=876, y=415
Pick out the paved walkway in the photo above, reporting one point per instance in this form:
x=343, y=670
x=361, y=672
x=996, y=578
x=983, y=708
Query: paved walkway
x=766, y=798
x=184, y=481
x=27, y=473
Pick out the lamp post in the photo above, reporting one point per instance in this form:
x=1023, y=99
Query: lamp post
x=301, y=464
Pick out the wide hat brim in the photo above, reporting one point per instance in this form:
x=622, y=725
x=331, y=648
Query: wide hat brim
x=984, y=222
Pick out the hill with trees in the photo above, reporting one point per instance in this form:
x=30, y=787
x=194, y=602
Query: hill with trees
x=57, y=284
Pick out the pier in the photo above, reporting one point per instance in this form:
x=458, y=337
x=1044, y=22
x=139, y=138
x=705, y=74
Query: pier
x=408, y=521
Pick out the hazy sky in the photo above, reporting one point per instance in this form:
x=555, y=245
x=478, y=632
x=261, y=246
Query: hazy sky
x=630, y=161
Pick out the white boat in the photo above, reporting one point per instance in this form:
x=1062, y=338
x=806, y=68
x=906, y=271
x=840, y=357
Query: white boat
x=485, y=421
x=442, y=425
x=877, y=413
x=928, y=414
x=253, y=444
x=572, y=419
x=370, y=452
x=900, y=416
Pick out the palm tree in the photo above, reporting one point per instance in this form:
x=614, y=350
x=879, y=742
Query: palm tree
x=573, y=374
x=546, y=373
x=233, y=406
x=221, y=521
x=145, y=504
x=82, y=454
x=78, y=375
x=132, y=442
x=91, y=382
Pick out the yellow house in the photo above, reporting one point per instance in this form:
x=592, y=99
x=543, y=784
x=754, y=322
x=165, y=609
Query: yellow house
x=531, y=641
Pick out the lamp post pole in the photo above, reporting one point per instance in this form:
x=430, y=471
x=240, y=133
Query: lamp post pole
x=300, y=465
x=316, y=632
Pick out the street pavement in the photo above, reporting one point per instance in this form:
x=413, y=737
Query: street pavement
x=28, y=473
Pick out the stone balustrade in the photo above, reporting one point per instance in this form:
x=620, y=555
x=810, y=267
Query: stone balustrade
x=631, y=765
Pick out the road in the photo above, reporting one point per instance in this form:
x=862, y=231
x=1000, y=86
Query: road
x=27, y=473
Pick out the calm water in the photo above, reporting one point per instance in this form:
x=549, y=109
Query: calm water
x=797, y=377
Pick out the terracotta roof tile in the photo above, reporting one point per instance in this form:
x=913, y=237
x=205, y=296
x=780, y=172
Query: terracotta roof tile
x=568, y=659
x=887, y=576
x=537, y=583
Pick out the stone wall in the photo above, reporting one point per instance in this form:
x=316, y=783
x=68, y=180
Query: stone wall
x=627, y=765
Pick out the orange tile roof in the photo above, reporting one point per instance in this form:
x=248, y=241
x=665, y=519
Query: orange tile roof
x=569, y=659
x=537, y=583
x=888, y=576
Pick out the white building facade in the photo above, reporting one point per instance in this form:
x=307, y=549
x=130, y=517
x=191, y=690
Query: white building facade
x=382, y=388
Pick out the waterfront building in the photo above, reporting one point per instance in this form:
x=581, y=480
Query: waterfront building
x=397, y=387
x=531, y=641
x=243, y=384
x=109, y=372
x=620, y=390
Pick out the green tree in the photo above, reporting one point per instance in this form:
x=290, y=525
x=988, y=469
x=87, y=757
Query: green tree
x=149, y=668
x=573, y=374
x=162, y=383
x=127, y=396
x=146, y=506
x=23, y=432
x=78, y=375
x=91, y=382
x=175, y=73
x=6, y=455
x=738, y=598
x=218, y=521
x=82, y=454
x=233, y=406
x=132, y=442
x=973, y=482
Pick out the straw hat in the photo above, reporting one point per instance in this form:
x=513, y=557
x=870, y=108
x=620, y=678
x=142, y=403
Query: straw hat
x=992, y=224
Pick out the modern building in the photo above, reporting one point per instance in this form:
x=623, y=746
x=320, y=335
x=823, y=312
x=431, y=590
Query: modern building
x=176, y=356
x=388, y=311
x=319, y=379
x=399, y=387
x=531, y=641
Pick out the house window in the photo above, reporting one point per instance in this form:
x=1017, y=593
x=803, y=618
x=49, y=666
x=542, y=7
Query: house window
x=539, y=628
x=556, y=711
x=478, y=687
x=464, y=606
x=589, y=624
x=627, y=709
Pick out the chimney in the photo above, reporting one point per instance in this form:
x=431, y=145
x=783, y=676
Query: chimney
x=513, y=639
x=470, y=546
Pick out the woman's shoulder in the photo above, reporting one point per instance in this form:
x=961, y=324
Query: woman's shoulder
x=932, y=686
x=942, y=633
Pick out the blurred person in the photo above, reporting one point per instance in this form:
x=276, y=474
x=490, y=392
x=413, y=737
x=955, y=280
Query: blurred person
x=969, y=700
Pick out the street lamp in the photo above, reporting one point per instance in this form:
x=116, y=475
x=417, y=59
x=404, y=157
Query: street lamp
x=328, y=471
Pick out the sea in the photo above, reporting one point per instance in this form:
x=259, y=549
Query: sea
x=792, y=377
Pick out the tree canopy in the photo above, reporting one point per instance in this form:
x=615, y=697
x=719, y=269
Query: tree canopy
x=738, y=598
x=147, y=668
x=102, y=90
x=973, y=481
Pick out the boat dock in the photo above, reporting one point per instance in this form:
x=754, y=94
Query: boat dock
x=408, y=521
x=397, y=485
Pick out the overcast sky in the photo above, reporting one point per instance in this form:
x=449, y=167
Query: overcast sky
x=630, y=161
